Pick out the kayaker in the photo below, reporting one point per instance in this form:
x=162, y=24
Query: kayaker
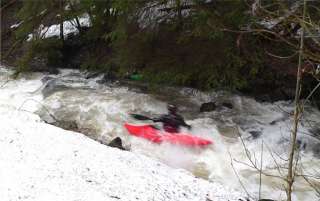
x=172, y=121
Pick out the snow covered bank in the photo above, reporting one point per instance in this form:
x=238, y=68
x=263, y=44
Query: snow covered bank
x=68, y=28
x=42, y=162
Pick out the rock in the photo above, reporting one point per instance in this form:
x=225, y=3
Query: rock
x=108, y=77
x=284, y=117
x=207, y=107
x=67, y=125
x=245, y=199
x=273, y=122
x=52, y=86
x=255, y=134
x=316, y=150
x=315, y=132
x=46, y=79
x=301, y=145
x=230, y=132
x=266, y=200
x=92, y=75
x=227, y=105
x=117, y=143
x=288, y=93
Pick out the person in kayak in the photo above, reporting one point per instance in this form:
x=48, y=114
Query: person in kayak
x=172, y=121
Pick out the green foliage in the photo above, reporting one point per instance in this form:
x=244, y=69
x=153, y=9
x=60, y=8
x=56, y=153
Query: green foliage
x=49, y=50
x=92, y=64
x=193, y=50
x=31, y=17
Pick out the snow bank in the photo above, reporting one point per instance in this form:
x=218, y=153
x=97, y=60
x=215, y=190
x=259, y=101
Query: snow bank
x=68, y=28
x=42, y=162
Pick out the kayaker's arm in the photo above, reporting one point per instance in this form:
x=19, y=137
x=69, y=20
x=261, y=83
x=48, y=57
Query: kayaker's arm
x=183, y=123
x=159, y=119
x=186, y=125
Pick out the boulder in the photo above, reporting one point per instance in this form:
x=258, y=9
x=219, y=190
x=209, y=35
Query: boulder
x=117, y=143
x=266, y=200
x=67, y=125
x=316, y=150
x=227, y=105
x=208, y=107
x=107, y=78
x=255, y=134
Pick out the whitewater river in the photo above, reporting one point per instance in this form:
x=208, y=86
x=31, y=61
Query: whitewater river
x=100, y=110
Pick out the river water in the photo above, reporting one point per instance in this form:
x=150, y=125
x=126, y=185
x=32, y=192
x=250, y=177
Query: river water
x=100, y=110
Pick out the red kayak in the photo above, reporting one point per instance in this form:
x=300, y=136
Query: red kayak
x=154, y=135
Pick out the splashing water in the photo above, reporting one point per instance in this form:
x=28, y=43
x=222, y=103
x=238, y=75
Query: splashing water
x=101, y=111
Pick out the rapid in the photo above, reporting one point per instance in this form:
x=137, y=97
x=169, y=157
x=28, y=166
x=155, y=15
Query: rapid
x=100, y=110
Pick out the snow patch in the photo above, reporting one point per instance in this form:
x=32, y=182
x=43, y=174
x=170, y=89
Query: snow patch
x=68, y=28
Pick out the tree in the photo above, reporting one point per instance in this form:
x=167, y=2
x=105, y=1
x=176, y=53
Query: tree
x=294, y=24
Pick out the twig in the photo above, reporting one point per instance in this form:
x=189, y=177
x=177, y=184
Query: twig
x=275, y=161
x=6, y=82
x=236, y=173
x=290, y=177
x=281, y=57
x=312, y=186
x=51, y=115
x=311, y=93
x=253, y=164
x=260, y=179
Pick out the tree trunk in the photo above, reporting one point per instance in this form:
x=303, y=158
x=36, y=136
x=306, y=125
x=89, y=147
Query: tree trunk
x=297, y=111
x=61, y=21
x=78, y=24
x=179, y=10
x=76, y=17
x=255, y=7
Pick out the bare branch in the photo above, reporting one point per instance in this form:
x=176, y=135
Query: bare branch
x=260, y=179
x=236, y=173
x=51, y=115
x=316, y=189
x=282, y=57
x=311, y=93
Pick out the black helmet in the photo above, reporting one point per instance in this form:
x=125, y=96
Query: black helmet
x=172, y=108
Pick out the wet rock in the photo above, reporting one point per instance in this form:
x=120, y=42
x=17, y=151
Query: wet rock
x=316, y=150
x=51, y=87
x=301, y=145
x=315, y=132
x=117, y=143
x=67, y=125
x=46, y=79
x=227, y=105
x=273, y=122
x=228, y=131
x=266, y=200
x=92, y=75
x=107, y=78
x=280, y=119
x=255, y=134
x=201, y=170
x=207, y=107
x=244, y=199
x=288, y=93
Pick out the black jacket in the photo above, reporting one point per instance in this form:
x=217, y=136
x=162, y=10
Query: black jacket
x=172, y=122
